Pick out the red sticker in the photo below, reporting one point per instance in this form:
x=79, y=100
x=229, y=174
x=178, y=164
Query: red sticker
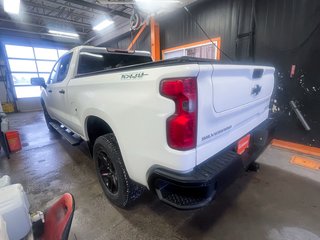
x=243, y=144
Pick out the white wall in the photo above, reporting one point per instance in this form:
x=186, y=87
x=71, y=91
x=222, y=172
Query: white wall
x=29, y=104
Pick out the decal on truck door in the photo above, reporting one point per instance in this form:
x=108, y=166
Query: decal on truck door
x=133, y=75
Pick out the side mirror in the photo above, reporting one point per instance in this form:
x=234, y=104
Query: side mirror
x=38, y=81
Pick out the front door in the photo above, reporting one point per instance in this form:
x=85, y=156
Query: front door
x=57, y=89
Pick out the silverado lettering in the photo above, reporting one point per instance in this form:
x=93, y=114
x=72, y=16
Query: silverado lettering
x=216, y=133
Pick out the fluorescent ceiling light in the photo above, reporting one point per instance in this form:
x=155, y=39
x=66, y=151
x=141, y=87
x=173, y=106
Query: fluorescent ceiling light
x=64, y=34
x=157, y=6
x=11, y=6
x=159, y=1
x=61, y=36
x=103, y=25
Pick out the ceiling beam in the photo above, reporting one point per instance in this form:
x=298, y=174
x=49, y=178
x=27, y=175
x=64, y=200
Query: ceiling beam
x=56, y=9
x=21, y=23
x=30, y=32
x=100, y=8
x=68, y=4
x=117, y=2
x=119, y=30
x=32, y=25
x=59, y=19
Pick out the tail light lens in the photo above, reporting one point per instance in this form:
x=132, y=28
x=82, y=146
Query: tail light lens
x=182, y=125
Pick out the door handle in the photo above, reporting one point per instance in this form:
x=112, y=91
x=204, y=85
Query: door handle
x=49, y=90
x=62, y=91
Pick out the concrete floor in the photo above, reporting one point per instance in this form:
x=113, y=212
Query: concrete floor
x=272, y=204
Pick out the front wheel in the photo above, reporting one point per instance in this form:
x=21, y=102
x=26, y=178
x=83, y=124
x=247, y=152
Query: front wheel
x=112, y=174
x=47, y=118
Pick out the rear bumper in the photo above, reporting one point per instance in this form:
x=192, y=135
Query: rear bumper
x=198, y=187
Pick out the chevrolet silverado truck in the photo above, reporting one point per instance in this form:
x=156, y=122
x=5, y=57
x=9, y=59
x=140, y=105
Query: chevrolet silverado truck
x=183, y=128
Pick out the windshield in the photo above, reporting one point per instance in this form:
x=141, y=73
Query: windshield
x=94, y=61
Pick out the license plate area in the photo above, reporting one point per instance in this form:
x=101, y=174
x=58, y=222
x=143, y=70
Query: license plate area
x=243, y=144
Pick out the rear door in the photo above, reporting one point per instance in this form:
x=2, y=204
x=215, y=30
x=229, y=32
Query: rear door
x=232, y=102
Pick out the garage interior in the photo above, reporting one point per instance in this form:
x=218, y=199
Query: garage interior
x=279, y=201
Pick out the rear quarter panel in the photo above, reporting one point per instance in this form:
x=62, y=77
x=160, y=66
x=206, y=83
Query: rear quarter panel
x=136, y=112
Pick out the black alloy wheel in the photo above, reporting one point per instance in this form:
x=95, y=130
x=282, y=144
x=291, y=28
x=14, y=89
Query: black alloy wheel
x=107, y=172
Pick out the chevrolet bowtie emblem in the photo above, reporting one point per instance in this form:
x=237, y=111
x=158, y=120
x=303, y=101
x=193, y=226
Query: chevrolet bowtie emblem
x=256, y=90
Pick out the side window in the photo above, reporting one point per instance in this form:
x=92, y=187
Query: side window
x=60, y=69
x=64, y=67
x=91, y=62
x=53, y=74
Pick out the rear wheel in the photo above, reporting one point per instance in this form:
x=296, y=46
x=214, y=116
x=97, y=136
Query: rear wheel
x=112, y=174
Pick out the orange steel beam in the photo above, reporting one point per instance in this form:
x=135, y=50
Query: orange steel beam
x=137, y=36
x=155, y=39
x=296, y=147
x=218, y=47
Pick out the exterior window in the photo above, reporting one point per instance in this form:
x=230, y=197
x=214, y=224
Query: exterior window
x=17, y=65
x=62, y=52
x=22, y=78
x=45, y=66
x=53, y=75
x=98, y=61
x=64, y=67
x=26, y=62
x=45, y=76
x=203, y=49
x=46, y=53
x=60, y=69
x=19, y=52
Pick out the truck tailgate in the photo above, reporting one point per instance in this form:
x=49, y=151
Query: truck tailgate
x=235, y=86
x=231, y=103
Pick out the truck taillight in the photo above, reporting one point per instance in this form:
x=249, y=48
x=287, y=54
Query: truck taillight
x=182, y=125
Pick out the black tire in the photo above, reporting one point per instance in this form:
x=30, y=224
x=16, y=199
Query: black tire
x=47, y=118
x=112, y=174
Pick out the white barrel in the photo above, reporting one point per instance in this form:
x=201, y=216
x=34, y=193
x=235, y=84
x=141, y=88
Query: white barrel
x=14, y=208
x=5, y=181
x=3, y=229
x=4, y=124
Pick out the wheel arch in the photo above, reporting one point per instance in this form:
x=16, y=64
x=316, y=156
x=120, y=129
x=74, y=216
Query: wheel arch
x=94, y=128
x=97, y=123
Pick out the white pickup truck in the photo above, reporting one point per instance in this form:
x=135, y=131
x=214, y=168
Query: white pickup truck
x=183, y=128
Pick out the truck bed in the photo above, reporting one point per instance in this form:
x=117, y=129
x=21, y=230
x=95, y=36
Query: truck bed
x=163, y=63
